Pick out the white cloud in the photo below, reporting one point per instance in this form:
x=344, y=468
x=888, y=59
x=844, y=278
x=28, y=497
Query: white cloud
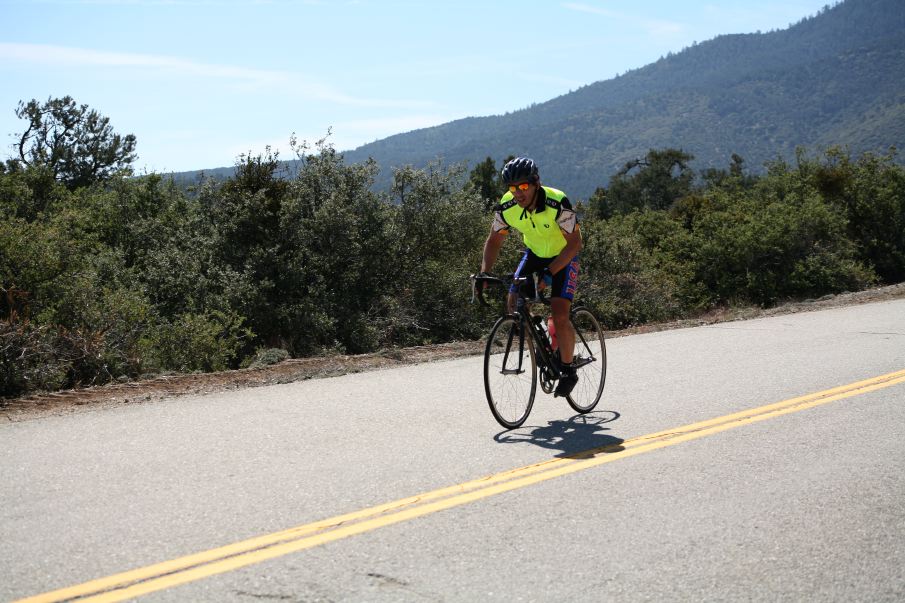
x=286, y=82
x=653, y=27
x=663, y=28
x=596, y=10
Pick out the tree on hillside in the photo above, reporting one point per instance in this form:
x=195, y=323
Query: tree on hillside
x=485, y=180
x=735, y=176
x=598, y=204
x=75, y=142
x=662, y=177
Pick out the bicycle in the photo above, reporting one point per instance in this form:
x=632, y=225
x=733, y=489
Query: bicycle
x=519, y=354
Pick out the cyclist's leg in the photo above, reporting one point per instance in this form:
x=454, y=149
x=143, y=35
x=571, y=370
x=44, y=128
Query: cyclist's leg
x=565, y=335
x=562, y=292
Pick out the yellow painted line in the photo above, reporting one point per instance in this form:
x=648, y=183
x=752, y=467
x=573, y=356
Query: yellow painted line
x=168, y=574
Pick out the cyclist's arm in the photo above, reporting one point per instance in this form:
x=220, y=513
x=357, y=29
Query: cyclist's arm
x=574, y=244
x=492, y=247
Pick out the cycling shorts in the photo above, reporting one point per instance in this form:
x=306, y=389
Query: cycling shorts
x=564, y=282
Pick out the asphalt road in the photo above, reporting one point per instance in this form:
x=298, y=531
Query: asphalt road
x=803, y=503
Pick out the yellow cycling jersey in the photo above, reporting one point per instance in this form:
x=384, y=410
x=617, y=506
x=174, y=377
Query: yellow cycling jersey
x=542, y=229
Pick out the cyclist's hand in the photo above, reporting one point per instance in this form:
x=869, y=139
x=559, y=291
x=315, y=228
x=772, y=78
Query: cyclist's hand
x=545, y=280
x=479, y=285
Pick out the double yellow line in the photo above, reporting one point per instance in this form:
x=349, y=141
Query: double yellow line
x=168, y=574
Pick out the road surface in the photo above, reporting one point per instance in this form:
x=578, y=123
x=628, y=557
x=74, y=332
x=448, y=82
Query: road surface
x=760, y=460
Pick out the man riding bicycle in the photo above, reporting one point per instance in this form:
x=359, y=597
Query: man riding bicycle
x=549, y=227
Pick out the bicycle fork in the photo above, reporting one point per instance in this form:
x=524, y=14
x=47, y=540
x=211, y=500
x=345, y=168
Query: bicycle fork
x=521, y=352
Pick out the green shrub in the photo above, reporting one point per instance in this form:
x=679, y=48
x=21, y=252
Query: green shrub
x=621, y=277
x=195, y=342
x=749, y=247
x=265, y=357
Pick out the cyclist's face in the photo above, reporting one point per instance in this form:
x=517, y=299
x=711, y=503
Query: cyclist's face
x=523, y=193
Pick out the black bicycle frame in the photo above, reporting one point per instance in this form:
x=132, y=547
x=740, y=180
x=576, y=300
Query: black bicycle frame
x=542, y=342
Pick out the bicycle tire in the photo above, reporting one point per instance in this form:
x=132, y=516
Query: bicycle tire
x=510, y=372
x=589, y=358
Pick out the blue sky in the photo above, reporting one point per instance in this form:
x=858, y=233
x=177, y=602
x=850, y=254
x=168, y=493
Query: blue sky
x=201, y=81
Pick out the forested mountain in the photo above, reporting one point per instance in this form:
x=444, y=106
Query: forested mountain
x=837, y=78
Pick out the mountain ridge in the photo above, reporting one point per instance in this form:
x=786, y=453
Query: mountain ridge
x=835, y=78
x=765, y=93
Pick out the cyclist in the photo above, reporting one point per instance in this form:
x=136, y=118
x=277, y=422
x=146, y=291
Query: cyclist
x=549, y=227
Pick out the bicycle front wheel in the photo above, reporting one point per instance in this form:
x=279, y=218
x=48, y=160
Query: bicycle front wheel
x=589, y=360
x=510, y=372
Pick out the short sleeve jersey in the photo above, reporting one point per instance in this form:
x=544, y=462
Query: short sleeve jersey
x=542, y=229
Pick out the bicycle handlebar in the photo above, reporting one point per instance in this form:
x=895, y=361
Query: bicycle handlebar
x=483, y=277
x=478, y=292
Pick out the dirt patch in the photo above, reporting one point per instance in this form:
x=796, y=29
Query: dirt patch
x=39, y=405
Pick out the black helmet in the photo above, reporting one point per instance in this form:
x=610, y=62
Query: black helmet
x=519, y=169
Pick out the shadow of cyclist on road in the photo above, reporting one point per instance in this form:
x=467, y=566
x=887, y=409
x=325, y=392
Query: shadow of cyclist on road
x=580, y=436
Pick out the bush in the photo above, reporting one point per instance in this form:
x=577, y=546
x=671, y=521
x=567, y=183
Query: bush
x=28, y=359
x=195, y=342
x=622, y=278
x=748, y=247
x=265, y=357
x=872, y=193
x=441, y=230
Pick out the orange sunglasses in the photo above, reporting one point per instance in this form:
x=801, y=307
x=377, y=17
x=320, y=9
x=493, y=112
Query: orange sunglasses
x=522, y=187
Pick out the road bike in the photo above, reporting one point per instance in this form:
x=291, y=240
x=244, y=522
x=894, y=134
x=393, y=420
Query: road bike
x=520, y=354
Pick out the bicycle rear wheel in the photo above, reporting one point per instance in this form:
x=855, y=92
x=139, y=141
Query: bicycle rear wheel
x=510, y=372
x=589, y=360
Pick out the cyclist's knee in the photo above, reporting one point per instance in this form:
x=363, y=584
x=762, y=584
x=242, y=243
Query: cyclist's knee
x=560, y=308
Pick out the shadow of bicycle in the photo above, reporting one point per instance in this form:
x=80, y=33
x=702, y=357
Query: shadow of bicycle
x=581, y=436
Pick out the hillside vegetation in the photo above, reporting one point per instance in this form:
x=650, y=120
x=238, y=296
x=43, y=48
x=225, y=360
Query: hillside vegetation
x=124, y=277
